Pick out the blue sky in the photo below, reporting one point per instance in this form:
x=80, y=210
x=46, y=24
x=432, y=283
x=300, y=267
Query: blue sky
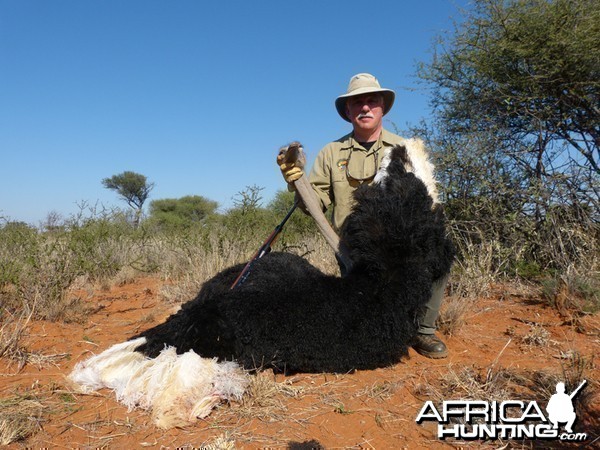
x=195, y=95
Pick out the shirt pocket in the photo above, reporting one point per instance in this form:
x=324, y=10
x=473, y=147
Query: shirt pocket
x=338, y=175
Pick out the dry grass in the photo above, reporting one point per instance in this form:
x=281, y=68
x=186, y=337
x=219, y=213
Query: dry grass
x=479, y=266
x=23, y=413
x=223, y=442
x=574, y=293
x=381, y=391
x=190, y=269
x=453, y=314
x=12, y=332
x=264, y=397
x=316, y=250
x=469, y=382
x=473, y=274
x=20, y=417
x=575, y=368
x=537, y=336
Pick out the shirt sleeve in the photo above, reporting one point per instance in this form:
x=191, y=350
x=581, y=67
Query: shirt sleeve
x=320, y=178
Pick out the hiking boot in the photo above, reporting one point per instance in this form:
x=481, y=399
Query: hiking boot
x=430, y=346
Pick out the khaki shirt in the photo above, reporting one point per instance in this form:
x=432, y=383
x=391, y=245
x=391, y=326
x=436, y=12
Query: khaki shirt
x=343, y=165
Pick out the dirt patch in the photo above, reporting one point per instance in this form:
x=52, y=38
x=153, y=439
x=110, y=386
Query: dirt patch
x=509, y=331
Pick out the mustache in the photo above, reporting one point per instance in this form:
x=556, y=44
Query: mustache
x=363, y=115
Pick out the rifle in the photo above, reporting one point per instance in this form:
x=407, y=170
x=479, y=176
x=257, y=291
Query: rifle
x=577, y=390
x=264, y=248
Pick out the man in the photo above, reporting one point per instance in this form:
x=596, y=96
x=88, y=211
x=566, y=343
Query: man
x=343, y=165
x=560, y=408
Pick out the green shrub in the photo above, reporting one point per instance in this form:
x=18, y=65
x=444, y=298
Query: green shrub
x=573, y=291
x=181, y=213
x=529, y=270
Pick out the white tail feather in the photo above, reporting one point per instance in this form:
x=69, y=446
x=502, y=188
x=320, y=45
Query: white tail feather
x=178, y=389
x=419, y=165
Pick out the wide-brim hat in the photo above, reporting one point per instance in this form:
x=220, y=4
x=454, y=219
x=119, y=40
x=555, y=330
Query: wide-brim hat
x=364, y=83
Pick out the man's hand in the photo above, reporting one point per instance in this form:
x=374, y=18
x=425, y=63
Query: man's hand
x=290, y=160
x=290, y=172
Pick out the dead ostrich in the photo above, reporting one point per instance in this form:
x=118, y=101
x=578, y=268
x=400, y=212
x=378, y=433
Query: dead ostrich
x=290, y=316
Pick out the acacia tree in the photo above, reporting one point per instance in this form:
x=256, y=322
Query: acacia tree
x=527, y=72
x=132, y=187
x=182, y=212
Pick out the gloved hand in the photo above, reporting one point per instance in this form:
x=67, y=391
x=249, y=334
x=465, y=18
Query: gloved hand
x=291, y=170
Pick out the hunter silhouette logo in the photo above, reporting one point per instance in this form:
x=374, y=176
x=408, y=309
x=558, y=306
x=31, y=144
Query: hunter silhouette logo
x=560, y=407
x=509, y=419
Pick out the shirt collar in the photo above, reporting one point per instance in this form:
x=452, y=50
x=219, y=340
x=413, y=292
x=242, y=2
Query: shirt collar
x=350, y=143
x=387, y=138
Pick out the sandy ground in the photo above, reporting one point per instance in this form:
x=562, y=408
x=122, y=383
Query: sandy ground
x=507, y=331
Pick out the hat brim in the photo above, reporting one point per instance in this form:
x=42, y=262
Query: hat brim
x=388, y=100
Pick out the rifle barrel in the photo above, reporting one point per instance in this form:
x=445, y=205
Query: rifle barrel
x=264, y=248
